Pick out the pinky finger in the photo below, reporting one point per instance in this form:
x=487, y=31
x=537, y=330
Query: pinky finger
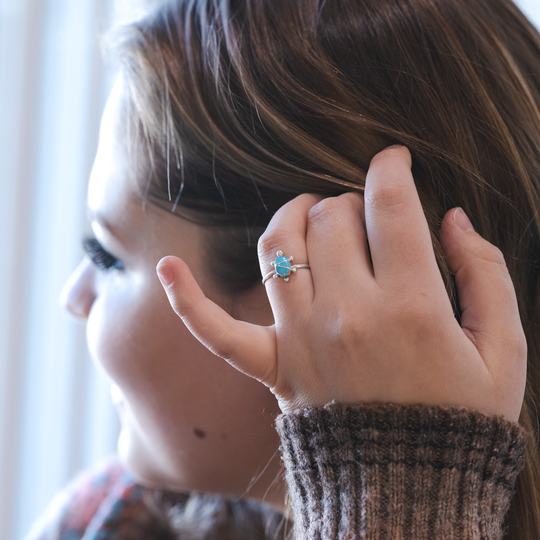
x=247, y=347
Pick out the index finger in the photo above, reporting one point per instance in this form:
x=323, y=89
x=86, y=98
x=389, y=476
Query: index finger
x=397, y=230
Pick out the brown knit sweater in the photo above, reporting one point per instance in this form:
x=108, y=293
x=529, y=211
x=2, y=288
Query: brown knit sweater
x=393, y=472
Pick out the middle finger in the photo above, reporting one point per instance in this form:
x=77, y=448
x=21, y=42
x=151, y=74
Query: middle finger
x=337, y=245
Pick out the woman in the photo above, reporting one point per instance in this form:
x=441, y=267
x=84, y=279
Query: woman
x=397, y=355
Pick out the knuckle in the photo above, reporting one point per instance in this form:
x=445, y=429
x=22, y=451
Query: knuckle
x=346, y=333
x=271, y=241
x=325, y=209
x=510, y=344
x=521, y=345
x=224, y=347
x=415, y=312
x=421, y=315
x=518, y=342
x=356, y=200
x=349, y=329
x=390, y=197
x=310, y=199
x=223, y=351
x=335, y=207
x=491, y=254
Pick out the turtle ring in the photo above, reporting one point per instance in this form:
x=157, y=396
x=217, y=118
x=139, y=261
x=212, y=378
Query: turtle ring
x=283, y=267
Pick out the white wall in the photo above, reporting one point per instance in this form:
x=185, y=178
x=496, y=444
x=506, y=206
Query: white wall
x=531, y=8
x=56, y=416
x=55, y=412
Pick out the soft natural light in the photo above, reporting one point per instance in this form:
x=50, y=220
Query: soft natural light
x=531, y=8
x=56, y=416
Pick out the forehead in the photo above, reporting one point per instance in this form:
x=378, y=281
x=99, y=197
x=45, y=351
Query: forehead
x=115, y=204
x=111, y=191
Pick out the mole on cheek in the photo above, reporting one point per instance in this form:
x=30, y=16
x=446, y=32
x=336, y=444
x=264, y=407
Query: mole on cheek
x=199, y=433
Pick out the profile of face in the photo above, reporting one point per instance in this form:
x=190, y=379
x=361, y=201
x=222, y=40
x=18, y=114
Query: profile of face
x=189, y=420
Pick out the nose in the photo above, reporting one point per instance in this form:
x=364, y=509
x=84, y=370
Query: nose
x=78, y=293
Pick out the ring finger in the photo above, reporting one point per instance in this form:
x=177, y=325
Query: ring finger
x=286, y=233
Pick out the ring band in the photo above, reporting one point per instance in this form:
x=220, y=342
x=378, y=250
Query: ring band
x=283, y=268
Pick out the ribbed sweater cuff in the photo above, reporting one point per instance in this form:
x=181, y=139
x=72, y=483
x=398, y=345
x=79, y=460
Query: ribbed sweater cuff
x=384, y=471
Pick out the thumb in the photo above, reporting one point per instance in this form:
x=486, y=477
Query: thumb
x=490, y=314
x=247, y=347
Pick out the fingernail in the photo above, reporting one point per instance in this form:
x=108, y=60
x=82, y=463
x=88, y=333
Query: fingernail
x=395, y=146
x=166, y=275
x=462, y=221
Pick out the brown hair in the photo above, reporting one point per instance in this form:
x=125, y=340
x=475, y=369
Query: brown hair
x=243, y=104
x=206, y=516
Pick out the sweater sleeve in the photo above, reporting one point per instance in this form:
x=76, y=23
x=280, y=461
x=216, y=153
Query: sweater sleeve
x=385, y=471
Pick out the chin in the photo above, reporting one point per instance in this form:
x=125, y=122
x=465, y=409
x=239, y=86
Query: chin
x=135, y=459
x=133, y=454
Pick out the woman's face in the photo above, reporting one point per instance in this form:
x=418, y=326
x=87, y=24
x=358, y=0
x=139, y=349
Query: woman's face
x=189, y=420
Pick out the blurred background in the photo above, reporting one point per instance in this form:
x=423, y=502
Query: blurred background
x=56, y=416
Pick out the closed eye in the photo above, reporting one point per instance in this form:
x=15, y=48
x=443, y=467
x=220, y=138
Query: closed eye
x=99, y=256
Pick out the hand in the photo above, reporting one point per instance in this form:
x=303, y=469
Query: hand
x=354, y=330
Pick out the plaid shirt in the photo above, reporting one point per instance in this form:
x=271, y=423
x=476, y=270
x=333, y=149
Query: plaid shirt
x=104, y=503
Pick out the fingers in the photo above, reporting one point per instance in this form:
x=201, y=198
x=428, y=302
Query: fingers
x=286, y=232
x=487, y=299
x=337, y=245
x=247, y=347
x=398, y=234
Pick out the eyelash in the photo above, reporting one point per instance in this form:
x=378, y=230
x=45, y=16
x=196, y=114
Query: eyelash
x=99, y=256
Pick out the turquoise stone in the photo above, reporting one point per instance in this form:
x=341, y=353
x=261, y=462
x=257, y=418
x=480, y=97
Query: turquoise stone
x=283, y=266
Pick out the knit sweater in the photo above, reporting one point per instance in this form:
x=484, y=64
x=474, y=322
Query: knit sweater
x=385, y=471
x=369, y=471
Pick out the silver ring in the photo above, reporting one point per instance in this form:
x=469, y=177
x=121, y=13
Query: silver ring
x=283, y=267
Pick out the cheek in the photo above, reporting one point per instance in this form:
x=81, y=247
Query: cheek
x=134, y=336
x=191, y=417
x=143, y=347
